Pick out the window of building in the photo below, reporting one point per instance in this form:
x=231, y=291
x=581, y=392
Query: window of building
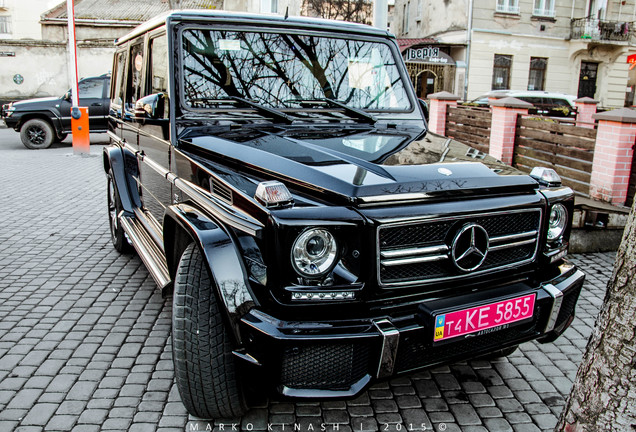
x=405, y=17
x=544, y=8
x=5, y=25
x=536, y=78
x=508, y=6
x=501, y=72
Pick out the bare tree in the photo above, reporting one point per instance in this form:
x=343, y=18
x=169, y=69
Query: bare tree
x=604, y=393
x=346, y=10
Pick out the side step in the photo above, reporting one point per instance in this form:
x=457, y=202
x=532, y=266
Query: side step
x=148, y=251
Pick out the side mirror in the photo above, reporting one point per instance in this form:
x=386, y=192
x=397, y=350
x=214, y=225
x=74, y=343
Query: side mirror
x=67, y=96
x=151, y=107
x=424, y=107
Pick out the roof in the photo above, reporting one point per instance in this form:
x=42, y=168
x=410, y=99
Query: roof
x=407, y=43
x=216, y=16
x=133, y=11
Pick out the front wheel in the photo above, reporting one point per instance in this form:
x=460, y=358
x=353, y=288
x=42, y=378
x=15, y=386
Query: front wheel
x=37, y=134
x=204, y=365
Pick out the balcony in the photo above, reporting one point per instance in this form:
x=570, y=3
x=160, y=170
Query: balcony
x=601, y=30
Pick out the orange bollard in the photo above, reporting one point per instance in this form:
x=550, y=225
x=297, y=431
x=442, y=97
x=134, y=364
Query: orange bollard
x=79, y=129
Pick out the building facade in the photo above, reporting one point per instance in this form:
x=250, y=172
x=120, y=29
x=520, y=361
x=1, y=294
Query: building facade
x=579, y=47
x=34, y=33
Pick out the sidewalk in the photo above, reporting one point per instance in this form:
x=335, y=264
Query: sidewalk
x=85, y=346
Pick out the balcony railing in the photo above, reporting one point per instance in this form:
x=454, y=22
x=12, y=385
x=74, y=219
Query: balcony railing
x=507, y=8
x=539, y=12
x=601, y=30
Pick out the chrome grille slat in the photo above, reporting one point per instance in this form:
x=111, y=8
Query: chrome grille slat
x=416, y=252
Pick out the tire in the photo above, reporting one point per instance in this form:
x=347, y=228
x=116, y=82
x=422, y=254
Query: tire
x=117, y=234
x=204, y=365
x=37, y=134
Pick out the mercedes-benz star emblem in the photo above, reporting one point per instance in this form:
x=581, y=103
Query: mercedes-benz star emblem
x=470, y=247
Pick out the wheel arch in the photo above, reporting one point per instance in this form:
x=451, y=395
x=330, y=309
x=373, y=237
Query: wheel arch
x=113, y=159
x=184, y=224
x=54, y=121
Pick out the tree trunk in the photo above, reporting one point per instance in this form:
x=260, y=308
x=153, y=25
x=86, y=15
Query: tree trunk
x=604, y=393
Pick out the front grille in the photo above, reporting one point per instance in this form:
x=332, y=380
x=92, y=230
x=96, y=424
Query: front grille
x=420, y=251
x=325, y=366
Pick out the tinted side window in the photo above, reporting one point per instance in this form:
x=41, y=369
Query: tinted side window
x=536, y=101
x=135, y=68
x=91, y=89
x=120, y=67
x=158, y=73
x=559, y=103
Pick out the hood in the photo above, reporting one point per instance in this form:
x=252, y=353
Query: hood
x=364, y=166
x=29, y=104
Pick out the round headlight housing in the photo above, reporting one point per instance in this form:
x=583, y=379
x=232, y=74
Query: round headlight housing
x=314, y=253
x=557, y=223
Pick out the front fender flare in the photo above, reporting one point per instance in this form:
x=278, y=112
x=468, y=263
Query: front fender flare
x=115, y=160
x=222, y=257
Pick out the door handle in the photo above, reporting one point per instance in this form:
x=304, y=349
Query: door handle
x=96, y=104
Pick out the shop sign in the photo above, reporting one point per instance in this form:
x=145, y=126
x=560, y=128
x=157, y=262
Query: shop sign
x=428, y=54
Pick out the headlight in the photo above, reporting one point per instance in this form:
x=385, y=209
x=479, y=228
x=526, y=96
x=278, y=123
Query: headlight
x=558, y=222
x=314, y=252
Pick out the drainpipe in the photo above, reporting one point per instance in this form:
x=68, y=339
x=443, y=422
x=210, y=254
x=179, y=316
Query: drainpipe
x=469, y=36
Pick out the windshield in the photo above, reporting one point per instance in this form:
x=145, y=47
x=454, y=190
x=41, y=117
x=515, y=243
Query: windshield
x=289, y=71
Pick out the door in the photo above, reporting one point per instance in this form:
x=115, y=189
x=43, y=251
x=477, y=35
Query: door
x=426, y=84
x=587, y=79
x=92, y=94
x=154, y=137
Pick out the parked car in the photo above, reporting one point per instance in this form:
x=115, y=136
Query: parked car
x=41, y=121
x=276, y=177
x=545, y=103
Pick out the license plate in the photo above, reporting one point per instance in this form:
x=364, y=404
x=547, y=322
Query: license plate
x=492, y=317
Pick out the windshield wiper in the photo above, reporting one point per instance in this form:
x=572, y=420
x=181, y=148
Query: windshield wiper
x=262, y=109
x=350, y=111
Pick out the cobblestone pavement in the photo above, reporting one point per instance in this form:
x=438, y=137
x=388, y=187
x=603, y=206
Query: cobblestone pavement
x=85, y=346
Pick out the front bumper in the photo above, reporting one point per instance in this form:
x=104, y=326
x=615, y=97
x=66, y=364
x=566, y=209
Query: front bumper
x=339, y=358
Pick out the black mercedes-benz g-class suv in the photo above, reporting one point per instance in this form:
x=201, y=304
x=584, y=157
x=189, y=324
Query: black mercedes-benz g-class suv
x=42, y=121
x=275, y=175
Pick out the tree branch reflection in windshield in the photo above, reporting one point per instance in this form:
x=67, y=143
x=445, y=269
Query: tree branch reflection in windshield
x=277, y=69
